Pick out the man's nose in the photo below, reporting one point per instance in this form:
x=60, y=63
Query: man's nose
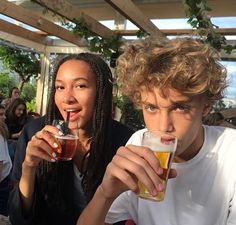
x=165, y=122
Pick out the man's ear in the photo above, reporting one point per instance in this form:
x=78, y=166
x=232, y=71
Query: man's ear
x=206, y=110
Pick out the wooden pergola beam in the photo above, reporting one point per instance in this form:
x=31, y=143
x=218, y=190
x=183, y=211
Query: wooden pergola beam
x=22, y=41
x=130, y=11
x=24, y=33
x=223, y=31
x=71, y=13
x=27, y=17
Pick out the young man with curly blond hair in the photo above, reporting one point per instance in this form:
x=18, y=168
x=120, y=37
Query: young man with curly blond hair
x=175, y=83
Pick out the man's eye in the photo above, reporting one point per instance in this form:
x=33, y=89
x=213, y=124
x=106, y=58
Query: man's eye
x=181, y=108
x=150, y=108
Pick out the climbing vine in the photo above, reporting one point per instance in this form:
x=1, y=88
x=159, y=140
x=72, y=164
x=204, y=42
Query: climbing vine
x=197, y=12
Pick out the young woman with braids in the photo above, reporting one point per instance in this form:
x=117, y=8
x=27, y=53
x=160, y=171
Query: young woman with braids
x=47, y=191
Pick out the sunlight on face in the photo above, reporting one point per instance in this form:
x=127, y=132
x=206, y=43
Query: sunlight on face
x=175, y=113
x=76, y=91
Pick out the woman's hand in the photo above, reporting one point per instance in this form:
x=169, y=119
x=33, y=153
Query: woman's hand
x=42, y=146
x=130, y=165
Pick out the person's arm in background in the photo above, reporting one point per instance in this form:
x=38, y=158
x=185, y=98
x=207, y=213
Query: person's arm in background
x=15, y=204
x=3, y=152
x=15, y=135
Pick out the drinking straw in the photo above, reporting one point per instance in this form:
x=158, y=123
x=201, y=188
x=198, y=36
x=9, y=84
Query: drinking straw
x=66, y=125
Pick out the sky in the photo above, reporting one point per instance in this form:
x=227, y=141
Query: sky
x=231, y=77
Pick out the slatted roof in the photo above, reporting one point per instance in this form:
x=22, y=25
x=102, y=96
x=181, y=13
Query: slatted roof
x=140, y=12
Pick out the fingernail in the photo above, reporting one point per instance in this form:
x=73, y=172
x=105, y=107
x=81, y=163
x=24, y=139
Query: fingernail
x=54, y=155
x=55, y=145
x=53, y=160
x=160, y=171
x=154, y=192
x=60, y=133
x=161, y=187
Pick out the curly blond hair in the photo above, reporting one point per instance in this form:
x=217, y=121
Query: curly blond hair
x=185, y=64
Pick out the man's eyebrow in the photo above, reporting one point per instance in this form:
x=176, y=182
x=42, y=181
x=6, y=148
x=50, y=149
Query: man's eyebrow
x=186, y=101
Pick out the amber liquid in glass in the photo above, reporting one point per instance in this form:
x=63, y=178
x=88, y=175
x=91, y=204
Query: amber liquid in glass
x=165, y=159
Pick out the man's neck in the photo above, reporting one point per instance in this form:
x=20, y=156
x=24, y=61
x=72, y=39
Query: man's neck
x=192, y=150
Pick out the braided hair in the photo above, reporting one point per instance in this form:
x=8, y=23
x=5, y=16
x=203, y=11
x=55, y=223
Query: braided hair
x=59, y=176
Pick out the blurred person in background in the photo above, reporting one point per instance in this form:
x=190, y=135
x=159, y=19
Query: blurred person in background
x=13, y=94
x=5, y=164
x=16, y=117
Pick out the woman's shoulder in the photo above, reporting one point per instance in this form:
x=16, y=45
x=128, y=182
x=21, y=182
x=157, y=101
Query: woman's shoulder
x=34, y=125
x=119, y=133
x=121, y=128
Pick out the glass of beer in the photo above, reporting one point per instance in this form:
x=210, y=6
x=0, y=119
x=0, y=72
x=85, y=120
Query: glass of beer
x=163, y=146
x=67, y=143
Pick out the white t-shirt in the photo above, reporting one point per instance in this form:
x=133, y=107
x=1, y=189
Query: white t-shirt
x=5, y=158
x=203, y=193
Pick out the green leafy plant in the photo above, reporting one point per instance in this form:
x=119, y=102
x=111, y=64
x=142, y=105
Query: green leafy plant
x=6, y=83
x=31, y=105
x=25, y=63
x=29, y=92
x=131, y=116
x=104, y=46
x=197, y=12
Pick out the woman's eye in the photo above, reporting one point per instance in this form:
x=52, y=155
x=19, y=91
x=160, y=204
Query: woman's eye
x=59, y=87
x=81, y=86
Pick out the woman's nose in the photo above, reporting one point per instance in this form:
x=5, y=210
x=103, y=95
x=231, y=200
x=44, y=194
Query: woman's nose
x=69, y=97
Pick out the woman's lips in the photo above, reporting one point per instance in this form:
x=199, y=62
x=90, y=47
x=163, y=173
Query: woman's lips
x=74, y=115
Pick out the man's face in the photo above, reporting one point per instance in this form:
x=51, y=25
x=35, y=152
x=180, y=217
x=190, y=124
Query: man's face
x=177, y=114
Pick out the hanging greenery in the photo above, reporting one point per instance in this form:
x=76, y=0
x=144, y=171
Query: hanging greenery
x=104, y=46
x=197, y=12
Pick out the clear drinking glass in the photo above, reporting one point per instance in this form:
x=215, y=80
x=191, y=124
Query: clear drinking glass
x=67, y=143
x=163, y=145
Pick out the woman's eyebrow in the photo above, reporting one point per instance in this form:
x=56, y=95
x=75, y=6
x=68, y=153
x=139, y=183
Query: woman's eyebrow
x=74, y=79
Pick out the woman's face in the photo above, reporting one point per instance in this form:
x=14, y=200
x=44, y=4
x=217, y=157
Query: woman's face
x=2, y=115
x=20, y=110
x=76, y=92
x=15, y=93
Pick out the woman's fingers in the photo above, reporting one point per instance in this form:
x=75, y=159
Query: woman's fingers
x=44, y=136
x=42, y=146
